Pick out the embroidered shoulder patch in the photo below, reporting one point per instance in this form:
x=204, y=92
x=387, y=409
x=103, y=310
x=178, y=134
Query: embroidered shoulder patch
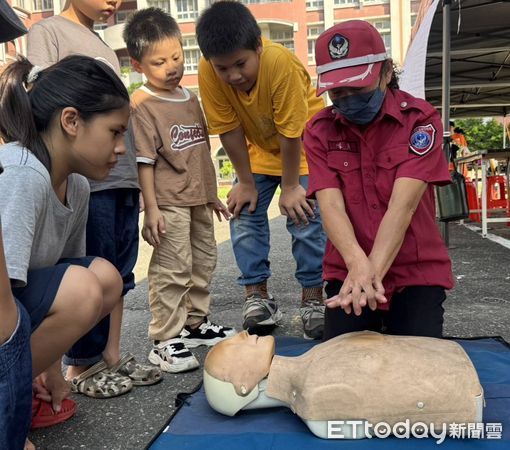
x=422, y=139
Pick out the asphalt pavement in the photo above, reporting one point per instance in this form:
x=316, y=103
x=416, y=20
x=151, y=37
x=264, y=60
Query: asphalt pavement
x=479, y=305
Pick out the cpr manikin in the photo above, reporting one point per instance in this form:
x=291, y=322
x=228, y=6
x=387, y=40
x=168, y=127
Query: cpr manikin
x=362, y=376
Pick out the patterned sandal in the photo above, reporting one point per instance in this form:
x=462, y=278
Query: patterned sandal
x=140, y=374
x=100, y=382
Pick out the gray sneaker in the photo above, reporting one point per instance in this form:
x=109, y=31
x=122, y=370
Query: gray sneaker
x=260, y=312
x=312, y=315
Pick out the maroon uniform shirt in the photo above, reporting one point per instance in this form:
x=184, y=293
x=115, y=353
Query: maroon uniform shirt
x=405, y=140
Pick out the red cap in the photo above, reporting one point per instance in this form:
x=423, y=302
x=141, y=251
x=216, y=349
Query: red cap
x=348, y=54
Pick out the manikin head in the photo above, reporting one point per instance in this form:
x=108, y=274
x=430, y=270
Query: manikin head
x=233, y=369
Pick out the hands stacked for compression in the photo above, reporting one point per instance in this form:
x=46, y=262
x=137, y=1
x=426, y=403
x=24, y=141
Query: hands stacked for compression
x=361, y=287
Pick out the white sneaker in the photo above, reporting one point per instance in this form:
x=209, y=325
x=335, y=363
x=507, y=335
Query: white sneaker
x=172, y=356
x=207, y=333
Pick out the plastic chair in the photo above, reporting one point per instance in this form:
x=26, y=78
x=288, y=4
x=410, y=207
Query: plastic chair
x=473, y=201
x=496, y=192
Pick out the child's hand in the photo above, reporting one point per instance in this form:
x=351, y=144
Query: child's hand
x=220, y=209
x=239, y=195
x=153, y=226
x=294, y=205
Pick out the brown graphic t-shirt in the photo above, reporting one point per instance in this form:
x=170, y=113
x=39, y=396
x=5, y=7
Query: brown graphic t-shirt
x=171, y=134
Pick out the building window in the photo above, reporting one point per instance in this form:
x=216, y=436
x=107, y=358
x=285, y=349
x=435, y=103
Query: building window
x=368, y=2
x=191, y=59
x=284, y=37
x=22, y=4
x=125, y=62
x=189, y=41
x=161, y=4
x=346, y=2
x=191, y=53
x=313, y=32
x=100, y=26
x=187, y=9
x=384, y=27
x=42, y=5
x=249, y=2
x=314, y=4
x=122, y=16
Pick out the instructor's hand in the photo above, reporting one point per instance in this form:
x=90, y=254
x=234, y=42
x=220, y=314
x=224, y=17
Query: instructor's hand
x=240, y=195
x=361, y=287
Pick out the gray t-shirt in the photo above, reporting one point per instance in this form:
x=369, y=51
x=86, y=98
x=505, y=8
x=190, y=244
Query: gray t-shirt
x=51, y=40
x=37, y=228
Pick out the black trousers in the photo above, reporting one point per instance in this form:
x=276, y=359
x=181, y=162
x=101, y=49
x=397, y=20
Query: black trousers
x=416, y=311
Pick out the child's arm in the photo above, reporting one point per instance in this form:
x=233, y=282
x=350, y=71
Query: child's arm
x=153, y=222
x=243, y=192
x=222, y=120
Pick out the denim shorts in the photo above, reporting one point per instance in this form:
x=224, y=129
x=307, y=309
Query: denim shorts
x=112, y=230
x=42, y=287
x=16, y=385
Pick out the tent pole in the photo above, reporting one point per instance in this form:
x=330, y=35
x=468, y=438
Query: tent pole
x=446, y=97
x=504, y=128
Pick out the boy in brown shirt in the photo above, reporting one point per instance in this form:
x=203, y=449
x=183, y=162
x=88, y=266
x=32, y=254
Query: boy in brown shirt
x=179, y=188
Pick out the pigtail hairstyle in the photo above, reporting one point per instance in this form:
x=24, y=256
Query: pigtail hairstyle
x=28, y=109
x=16, y=118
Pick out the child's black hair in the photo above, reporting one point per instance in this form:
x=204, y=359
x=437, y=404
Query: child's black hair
x=227, y=26
x=146, y=27
x=31, y=98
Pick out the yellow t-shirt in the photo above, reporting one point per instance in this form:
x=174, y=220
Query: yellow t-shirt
x=281, y=102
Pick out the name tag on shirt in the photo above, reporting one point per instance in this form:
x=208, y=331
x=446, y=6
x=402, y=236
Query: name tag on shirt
x=343, y=146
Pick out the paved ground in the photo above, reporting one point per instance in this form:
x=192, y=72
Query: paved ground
x=479, y=305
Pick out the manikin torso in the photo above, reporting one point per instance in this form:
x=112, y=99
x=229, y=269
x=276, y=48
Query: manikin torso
x=372, y=378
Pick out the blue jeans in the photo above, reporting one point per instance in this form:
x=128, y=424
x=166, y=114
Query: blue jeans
x=16, y=385
x=250, y=239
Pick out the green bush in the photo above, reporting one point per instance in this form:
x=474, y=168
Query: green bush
x=227, y=170
x=482, y=134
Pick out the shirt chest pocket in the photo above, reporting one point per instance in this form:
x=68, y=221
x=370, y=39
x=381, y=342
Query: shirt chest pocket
x=387, y=161
x=347, y=165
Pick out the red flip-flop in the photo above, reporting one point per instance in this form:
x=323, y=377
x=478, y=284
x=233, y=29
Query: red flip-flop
x=44, y=416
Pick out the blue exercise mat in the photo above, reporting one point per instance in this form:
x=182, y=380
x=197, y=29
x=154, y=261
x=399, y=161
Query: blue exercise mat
x=195, y=426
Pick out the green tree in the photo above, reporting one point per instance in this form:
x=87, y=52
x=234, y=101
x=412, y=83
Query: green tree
x=482, y=134
x=227, y=170
x=133, y=86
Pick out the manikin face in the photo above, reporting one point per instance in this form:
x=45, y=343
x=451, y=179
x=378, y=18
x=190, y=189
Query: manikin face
x=98, y=143
x=162, y=64
x=243, y=360
x=238, y=69
x=97, y=10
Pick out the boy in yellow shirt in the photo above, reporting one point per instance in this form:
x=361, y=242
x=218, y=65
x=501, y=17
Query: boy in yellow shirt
x=257, y=97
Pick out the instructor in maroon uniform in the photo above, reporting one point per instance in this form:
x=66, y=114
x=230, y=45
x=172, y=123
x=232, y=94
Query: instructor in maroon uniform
x=374, y=157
